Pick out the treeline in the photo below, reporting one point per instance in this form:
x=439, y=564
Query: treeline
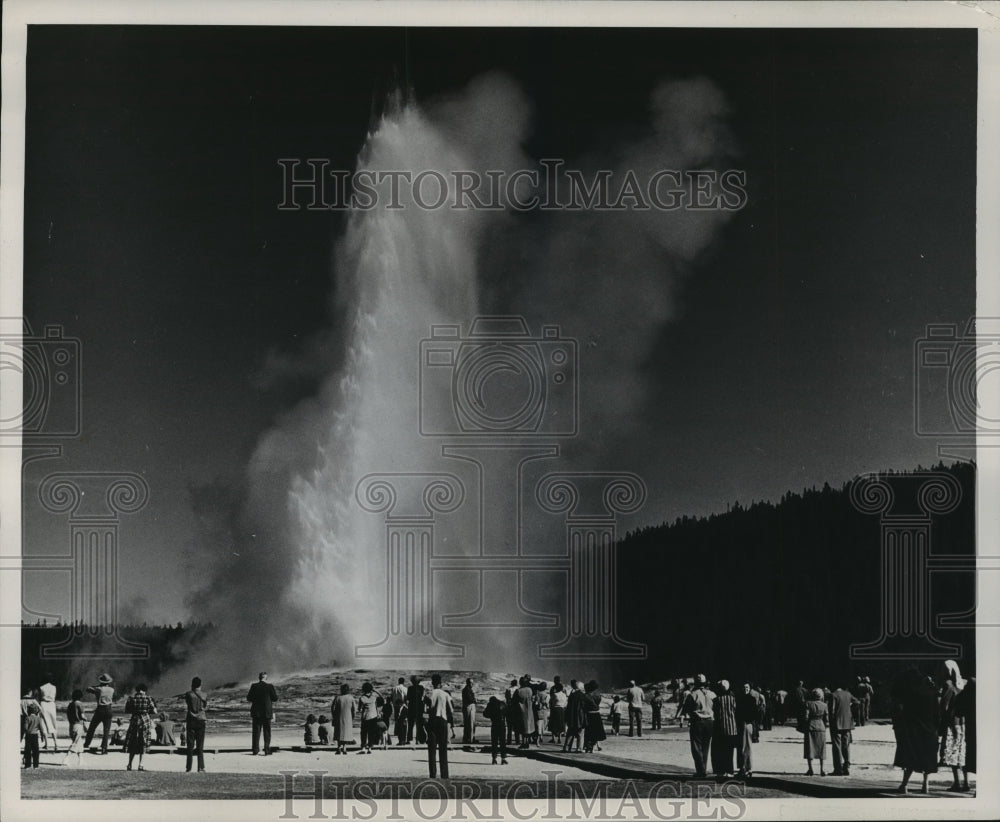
x=778, y=592
x=76, y=654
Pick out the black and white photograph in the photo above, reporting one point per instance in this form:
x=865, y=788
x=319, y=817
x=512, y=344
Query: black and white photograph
x=499, y=410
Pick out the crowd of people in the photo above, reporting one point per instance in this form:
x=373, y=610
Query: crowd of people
x=933, y=720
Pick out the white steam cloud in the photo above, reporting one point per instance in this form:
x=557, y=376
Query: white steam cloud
x=291, y=570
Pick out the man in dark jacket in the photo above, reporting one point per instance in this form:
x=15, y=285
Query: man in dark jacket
x=842, y=706
x=415, y=712
x=468, y=714
x=262, y=697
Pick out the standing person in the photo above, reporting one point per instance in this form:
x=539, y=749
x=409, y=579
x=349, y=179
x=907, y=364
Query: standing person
x=368, y=714
x=32, y=730
x=26, y=702
x=398, y=701
x=615, y=714
x=523, y=707
x=558, y=700
x=468, y=714
x=915, y=724
x=815, y=718
x=952, y=730
x=865, y=693
x=439, y=717
x=797, y=700
x=105, y=692
x=513, y=732
x=195, y=722
x=965, y=709
x=758, y=722
x=680, y=694
x=868, y=693
x=47, y=702
x=343, y=710
x=415, y=712
x=141, y=708
x=781, y=706
x=746, y=711
x=77, y=730
x=593, y=733
x=656, y=703
x=724, y=732
x=845, y=707
x=698, y=708
x=262, y=697
x=401, y=725
x=496, y=713
x=767, y=718
x=635, y=697
x=541, y=707
x=576, y=717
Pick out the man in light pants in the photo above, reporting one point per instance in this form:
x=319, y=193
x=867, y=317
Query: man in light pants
x=841, y=725
x=635, y=698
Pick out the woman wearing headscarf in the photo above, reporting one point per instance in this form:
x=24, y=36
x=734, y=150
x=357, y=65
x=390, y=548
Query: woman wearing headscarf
x=523, y=701
x=952, y=729
x=343, y=709
x=140, y=725
x=965, y=709
x=815, y=720
x=594, y=732
x=915, y=724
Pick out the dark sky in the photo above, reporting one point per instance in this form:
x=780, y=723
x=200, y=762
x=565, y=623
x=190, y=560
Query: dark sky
x=152, y=234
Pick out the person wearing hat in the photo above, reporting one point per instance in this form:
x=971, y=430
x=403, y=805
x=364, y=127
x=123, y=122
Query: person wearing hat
x=26, y=702
x=698, y=708
x=105, y=693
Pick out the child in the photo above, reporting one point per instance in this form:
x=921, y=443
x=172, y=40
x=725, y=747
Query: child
x=385, y=723
x=164, y=730
x=496, y=713
x=324, y=731
x=617, y=709
x=77, y=729
x=26, y=702
x=118, y=734
x=32, y=729
x=311, y=734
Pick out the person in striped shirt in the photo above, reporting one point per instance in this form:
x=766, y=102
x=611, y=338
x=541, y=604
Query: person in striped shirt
x=725, y=733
